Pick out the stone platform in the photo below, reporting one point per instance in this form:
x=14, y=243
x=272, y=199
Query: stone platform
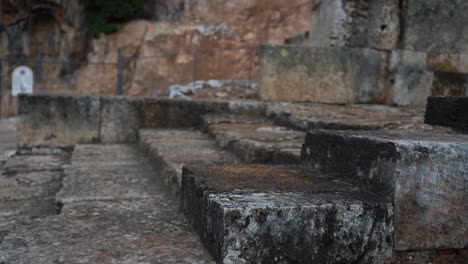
x=111, y=209
x=384, y=189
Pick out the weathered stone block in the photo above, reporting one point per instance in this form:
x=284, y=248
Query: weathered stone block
x=435, y=26
x=120, y=119
x=448, y=62
x=343, y=117
x=409, y=81
x=325, y=75
x=450, y=84
x=259, y=142
x=355, y=23
x=423, y=174
x=170, y=149
x=448, y=111
x=184, y=113
x=279, y=214
x=58, y=120
x=177, y=113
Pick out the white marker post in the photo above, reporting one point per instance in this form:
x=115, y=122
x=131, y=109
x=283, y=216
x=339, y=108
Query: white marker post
x=22, y=81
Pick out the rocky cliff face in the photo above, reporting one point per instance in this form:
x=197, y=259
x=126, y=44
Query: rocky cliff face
x=224, y=34
x=157, y=53
x=47, y=29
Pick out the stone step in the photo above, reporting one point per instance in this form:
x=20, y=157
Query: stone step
x=422, y=173
x=284, y=214
x=114, y=210
x=255, y=139
x=171, y=149
x=344, y=117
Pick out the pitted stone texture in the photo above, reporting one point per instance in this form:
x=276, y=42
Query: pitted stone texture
x=136, y=231
x=448, y=111
x=121, y=119
x=12, y=212
x=115, y=210
x=322, y=75
x=171, y=149
x=28, y=185
x=423, y=174
x=353, y=23
x=279, y=214
x=80, y=186
x=448, y=62
x=436, y=25
x=343, y=117
x=32, y=185
x=259, y=142
x=409, y=80
x=34, y=163
x=443, y=256
x=31, y=177
x=428, y=26
x=7, y=139
x=106, y=172
x=57, y=121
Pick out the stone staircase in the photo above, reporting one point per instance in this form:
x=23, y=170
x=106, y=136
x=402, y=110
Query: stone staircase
x=268, y=183
x=351, y=197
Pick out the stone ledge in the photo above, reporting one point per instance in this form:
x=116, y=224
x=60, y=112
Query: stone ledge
x=58, y=121
x=171, y=149
x=63, y=121
x=256, y=140
x=420, y=173
x=342, y=117
x=275, y=214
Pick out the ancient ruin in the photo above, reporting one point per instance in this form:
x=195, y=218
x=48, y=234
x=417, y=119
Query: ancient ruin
x=329, y=131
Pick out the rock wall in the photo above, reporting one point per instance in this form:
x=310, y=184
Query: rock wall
x=157, y=52
x=225, y=35
x=29, y=30
x=425, y=42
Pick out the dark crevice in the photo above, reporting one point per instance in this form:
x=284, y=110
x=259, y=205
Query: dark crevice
x=403, y=12
x=58, y=207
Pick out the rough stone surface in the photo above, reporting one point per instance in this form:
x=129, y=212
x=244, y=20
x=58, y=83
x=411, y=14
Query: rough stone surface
x=324, y=75
x=256, y=140
x=159, y=113
x=450, y=84
x=451, y=62
x=436, y=25
x=120, y=119
x=28, y=186
x=428, y=26
x=58, y=120
x=409, y=80
x=279, y=214
x=444, y=256
x=113, y=210
x=343, y=117
x=448, y=111
x=171, y=149
x=423, y=174
x=7, y=139
x=63, y=121
x=352, y=23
